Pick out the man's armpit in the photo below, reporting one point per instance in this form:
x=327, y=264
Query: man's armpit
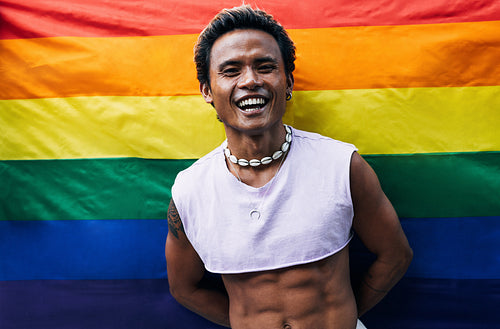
x=174, y=220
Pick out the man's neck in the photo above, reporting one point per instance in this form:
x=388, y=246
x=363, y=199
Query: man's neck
x=255, y=146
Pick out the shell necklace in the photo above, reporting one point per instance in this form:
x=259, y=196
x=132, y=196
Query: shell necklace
x=255, y=212
x=265, y=160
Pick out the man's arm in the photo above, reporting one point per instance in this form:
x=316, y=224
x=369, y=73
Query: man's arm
x=186, y=272
x=377, y=225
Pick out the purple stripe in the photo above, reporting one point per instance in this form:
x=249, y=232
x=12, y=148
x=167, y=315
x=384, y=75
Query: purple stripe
x=87, y=304
x=123, y=304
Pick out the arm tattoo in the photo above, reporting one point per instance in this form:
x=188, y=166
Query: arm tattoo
x=174, y=221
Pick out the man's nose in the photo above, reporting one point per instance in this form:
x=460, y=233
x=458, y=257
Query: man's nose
x=250, y=79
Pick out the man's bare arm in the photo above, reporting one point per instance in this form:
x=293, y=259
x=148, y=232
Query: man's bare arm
x=186, y=272
x=378, y=227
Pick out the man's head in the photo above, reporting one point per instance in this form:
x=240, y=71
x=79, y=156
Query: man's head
x=243, y=17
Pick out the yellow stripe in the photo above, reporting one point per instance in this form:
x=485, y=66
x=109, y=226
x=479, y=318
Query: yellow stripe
x=378, y=121
x=432, y=55
x=180, y=127
x=408, y=120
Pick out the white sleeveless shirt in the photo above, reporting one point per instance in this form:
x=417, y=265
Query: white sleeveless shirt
x=306, y=209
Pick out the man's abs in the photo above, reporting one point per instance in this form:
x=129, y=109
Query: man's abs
x=311, y=296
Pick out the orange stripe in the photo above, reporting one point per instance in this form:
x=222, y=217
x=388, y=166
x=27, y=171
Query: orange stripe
x=73, y=66
x=441, y=55
x=457, y=54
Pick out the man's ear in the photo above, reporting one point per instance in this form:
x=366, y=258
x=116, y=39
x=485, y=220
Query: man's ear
x=289, y=82
x=206, y=92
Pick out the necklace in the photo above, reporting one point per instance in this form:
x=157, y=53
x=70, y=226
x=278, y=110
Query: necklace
x=255, y=212
x=265, y=160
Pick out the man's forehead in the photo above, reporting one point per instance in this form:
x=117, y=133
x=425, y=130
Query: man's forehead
x=238, y=45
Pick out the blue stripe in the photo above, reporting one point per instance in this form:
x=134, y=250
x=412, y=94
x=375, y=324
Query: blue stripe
x=132, y=304
x=453, y=248
x=82, y=249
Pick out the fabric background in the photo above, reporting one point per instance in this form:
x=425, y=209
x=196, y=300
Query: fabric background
x=100, y=108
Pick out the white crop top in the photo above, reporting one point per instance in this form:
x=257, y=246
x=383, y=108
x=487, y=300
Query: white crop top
x=306, y=209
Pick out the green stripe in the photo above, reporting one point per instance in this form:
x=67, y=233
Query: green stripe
x=422, y=185
x=441, y=185
x=120, y=188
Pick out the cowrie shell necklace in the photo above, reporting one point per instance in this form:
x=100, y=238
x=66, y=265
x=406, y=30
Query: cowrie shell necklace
x=255, y=212
x=266, y=160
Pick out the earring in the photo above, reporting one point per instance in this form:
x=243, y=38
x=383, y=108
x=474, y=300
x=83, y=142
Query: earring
x=288, y=95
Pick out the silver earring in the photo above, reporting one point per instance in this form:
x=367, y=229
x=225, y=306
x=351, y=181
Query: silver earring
x=288, y=96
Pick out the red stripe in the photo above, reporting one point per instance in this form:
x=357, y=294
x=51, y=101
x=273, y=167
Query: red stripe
x=97, y=18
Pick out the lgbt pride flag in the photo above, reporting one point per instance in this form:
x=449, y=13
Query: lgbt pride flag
x=100, y=108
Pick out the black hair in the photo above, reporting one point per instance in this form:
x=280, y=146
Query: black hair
x=243, y=17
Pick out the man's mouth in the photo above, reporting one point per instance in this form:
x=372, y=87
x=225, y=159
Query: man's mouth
x=252, y=104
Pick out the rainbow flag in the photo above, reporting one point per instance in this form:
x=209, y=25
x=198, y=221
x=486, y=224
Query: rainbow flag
x=100, y=108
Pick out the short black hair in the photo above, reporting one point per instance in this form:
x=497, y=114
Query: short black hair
x=242, y=17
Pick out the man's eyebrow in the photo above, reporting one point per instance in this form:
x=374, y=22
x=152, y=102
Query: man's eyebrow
x=260, y=60
x=228, y=63
x=267, y=59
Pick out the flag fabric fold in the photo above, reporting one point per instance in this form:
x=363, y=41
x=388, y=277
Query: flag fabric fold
x=100, y=108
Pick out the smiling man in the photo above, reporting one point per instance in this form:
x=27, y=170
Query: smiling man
x=273, y=208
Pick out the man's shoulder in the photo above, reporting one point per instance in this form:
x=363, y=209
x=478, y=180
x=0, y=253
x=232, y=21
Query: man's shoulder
x=200, y=168
x=206, y=160
x=318, y=141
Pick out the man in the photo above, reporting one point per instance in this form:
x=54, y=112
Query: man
x=273, y=207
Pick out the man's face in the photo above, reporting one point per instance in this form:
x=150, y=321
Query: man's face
x=248, y=84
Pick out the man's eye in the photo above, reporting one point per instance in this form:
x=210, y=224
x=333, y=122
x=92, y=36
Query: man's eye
x=230, y=72
x=267, y=68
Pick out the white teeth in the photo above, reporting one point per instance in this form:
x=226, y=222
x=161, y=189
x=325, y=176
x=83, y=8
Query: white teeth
x=252, y=101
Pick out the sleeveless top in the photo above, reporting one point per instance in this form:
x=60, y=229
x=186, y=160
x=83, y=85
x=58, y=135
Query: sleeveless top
x=306, y=208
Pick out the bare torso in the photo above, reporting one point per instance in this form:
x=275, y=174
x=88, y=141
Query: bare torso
x=311, y=296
